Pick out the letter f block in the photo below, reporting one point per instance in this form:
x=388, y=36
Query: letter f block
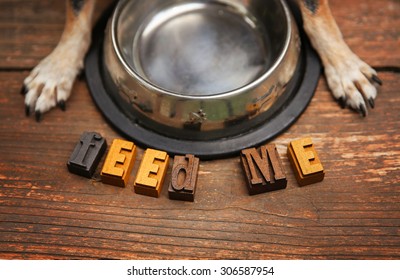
x=87, y=154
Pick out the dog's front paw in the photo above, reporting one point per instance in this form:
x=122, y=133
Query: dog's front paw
x=353, y=83
x=50, y=82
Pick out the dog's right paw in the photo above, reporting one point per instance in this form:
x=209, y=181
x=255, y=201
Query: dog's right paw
x=354, y=84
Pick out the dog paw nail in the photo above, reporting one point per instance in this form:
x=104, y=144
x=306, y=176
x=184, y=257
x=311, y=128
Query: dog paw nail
x=38, y=116
x=371, y=102
x=342, y=102
x=81, y=76
x=376, y=79
x=24, y=90
x=61, y=104
x=27, y=110
x=362, y=110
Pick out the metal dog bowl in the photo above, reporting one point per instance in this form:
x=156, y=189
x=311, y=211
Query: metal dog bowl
x=200, y=77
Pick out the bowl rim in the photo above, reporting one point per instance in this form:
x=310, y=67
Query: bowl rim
x=131, y=128
x=162, y=91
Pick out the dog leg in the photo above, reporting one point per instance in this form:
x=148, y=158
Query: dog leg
x=351, y=80
x=50, y=82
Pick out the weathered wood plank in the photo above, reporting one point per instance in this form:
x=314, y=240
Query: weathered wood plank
x=29, y=30
x=47, y=212
x=371, y=28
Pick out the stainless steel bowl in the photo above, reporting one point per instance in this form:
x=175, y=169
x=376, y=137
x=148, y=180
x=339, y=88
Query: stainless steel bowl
x=201, y=70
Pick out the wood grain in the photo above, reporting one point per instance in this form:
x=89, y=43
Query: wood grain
x=371, y=28
x=31, y=29
x=48, y=213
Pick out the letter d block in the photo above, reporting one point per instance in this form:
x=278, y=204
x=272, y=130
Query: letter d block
x=87, y=154
x=184, y=178
x=119, y=163
x=305, y=162
x=264, y=173
x=150, y=177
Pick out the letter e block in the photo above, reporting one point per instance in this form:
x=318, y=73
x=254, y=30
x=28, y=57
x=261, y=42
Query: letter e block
x=87, y=154
x=305, y=162
x=184, y=178
x=150, y=177
x=119, y=163
x=264, y=173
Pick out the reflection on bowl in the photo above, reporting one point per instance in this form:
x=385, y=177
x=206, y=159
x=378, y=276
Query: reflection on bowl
x=201, y=69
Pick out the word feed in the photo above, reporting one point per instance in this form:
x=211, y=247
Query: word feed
x=119, y=163
x=262, y=167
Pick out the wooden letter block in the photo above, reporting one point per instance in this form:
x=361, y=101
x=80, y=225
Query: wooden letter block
x=151, y=174
x=184, y=178
x=119, y=163
x=87, y=154
x=305, y=162
x=264, y=173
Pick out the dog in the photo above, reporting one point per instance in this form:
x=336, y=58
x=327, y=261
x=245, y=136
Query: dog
x=353, y=83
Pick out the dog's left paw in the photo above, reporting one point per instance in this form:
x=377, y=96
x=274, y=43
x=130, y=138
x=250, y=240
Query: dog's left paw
x=49, y=84
x=353, y=82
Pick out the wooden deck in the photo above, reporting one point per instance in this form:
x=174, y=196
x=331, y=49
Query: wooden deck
x=48, y=213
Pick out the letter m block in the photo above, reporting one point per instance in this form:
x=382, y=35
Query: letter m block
x=263, y=169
